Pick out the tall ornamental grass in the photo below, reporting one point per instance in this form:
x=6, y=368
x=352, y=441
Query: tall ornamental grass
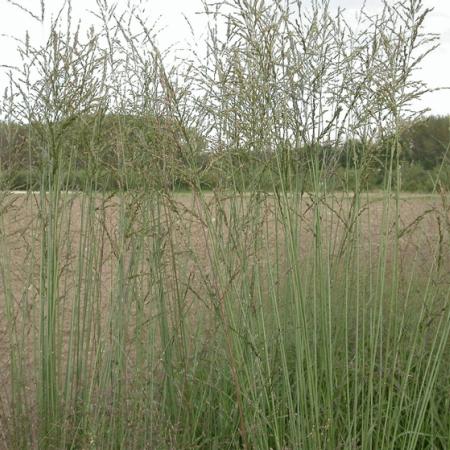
x=273, y=312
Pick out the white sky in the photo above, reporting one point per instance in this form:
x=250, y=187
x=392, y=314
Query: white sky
x=13, y=22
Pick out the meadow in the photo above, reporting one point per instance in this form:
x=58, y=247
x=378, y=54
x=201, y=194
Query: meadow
x=278, y=309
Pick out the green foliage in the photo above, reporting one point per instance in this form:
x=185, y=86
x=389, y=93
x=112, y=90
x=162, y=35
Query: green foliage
x=129, y=152
x=414, y=178
x=425, y=142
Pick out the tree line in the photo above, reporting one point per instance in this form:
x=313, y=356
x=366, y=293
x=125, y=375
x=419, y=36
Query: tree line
x=118, y=151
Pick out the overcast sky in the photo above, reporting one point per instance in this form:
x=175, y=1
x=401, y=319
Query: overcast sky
x=13, y=22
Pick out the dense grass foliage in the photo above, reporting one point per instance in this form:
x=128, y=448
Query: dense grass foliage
x=284, y=308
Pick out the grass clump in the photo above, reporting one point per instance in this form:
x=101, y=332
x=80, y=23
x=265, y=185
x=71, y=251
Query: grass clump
x=285, y=308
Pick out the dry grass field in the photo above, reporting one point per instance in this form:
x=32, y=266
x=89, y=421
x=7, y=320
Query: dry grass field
x=423, y=228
